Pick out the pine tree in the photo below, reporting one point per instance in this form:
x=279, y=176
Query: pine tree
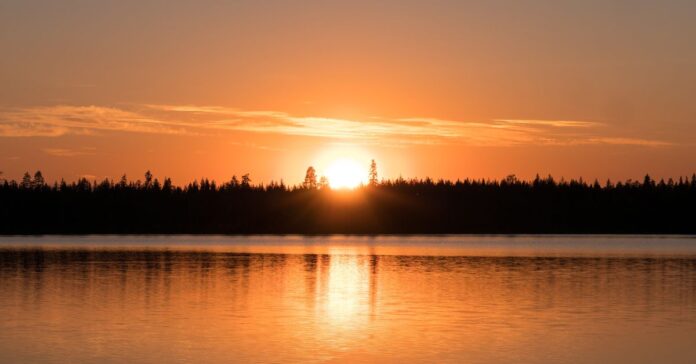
x=167, y=186
x=148, y=179
x=310, y=181
x=648, y=182
x=246, y=181
x=234, y=182
x=26, y=180
x=38, y=180
x=373, y=173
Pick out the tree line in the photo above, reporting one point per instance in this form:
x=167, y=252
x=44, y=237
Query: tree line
x=398, y=206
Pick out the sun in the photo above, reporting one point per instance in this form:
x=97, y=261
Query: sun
x=345, y=173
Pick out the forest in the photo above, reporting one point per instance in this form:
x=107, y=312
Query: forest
x=400, y=206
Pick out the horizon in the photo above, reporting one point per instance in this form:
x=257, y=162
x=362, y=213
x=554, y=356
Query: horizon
x=360, y=182
x=687, y=178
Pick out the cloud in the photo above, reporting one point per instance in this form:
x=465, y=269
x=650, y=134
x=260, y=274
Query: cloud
x=627, y=141
x=554, y=123
x=52, y=121
x=64, y=152
x=30, y=129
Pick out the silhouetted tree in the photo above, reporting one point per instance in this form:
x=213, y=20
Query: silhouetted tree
x=167, y=185
x=372, y=177
x=246, y=181
x=148, y=179
x=26, y=180
x=38, y=181
x=648, y=182
x=310, y=181
x=123, y=183
x=156, y=185
x=234, y=182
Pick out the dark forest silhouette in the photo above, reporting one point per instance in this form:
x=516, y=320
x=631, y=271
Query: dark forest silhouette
x=542, y=205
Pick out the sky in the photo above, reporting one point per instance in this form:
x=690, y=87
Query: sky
x=446, y=89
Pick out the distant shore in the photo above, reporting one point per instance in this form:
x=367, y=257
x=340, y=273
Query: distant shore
x=509, y=206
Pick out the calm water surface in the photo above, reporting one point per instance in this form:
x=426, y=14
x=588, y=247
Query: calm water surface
x=457, y=299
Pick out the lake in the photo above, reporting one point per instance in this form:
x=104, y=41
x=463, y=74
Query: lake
x=348, y=299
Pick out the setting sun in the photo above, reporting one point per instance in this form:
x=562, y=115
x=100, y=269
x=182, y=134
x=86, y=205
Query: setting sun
x=345, y=173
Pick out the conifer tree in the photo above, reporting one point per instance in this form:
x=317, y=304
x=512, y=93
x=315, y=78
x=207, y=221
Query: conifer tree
x=38, y=181
x=26, y=180
x=372, y=178
x=148, y=179
x=310, y=181
x=246, y=181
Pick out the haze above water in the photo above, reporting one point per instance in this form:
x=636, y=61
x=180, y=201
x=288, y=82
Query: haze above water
x=473, y=299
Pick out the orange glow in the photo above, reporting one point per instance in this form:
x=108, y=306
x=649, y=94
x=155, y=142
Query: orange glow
x=451, y=91
x=347, y=286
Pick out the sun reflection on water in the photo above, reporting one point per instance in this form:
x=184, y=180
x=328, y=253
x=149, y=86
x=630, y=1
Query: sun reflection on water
x=344, y=304
x=347, y=286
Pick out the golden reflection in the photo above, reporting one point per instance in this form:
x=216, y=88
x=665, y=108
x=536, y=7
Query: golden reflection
x=348, y=285
x=197, y=306
x=342, y=287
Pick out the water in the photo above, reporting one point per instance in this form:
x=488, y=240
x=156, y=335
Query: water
x=457, y=299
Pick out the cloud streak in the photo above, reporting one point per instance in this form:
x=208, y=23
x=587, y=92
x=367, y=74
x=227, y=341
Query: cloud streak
x=65, y=152
x=53, y=121
x=60, y=120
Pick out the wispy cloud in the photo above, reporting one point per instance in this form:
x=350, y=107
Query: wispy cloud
x=554, y=123
x=626, y=141
x=60, y=120
x=66, y=152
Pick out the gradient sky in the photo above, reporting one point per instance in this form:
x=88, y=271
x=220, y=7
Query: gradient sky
x=452, y=89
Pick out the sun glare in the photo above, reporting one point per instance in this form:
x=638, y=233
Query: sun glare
x=345, y=173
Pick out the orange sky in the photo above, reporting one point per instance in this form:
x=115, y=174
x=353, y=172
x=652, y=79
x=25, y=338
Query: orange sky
x=450, y=89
